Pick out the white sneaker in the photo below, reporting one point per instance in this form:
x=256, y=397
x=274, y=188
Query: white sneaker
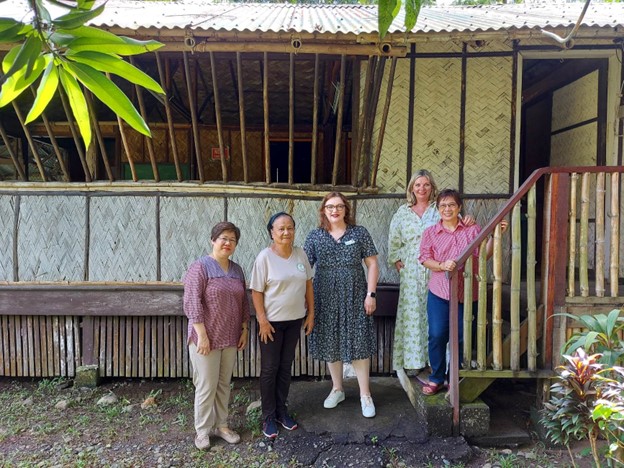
x=202, y=442
x=334, y=397
x=368, y=407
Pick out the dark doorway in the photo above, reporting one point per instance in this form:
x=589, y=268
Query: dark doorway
x=302, y=156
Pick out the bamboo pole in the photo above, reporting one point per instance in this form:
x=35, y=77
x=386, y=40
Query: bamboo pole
x=572, y=237
x=98, y=135
x=530, y=279
x=516, y=267
x=148, y=140
x=16, y=162
x=468, y=312
x=315, y=120
x=482, y=309
x=217, y=103
x=75, y=135
x=57, y=150
x=194, y=122
x=265, y=106
x=600, y=234
x=384, y=118
x=615, y=233
x=370, y=121
x=241, y=112
x=362, y=119
x=583, y=237
x=31, y=142
x=169, y=114
x=291, y=117
x=337, y=148
x=497, y=300
x=126, y=146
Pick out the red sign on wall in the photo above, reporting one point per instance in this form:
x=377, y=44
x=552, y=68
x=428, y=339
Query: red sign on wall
x=216, y=154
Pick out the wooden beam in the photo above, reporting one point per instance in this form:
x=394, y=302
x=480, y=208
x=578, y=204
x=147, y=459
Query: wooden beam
x=30, y=140
x=98, y=134
x=370, y=119
x=291, y=117
x=75, y=135
x=315, y=110
x=384, y=119
x=265, y=104
x=193, y=109
x=241, y=111
x=362, y=121
x=168, y=113
x=338, y=142
x=16, y=162
x=215, y=90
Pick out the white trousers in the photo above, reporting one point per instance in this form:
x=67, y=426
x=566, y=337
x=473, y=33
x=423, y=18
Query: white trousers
x=212, y=375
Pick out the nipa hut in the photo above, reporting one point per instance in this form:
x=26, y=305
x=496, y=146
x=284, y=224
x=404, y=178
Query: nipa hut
x=269, y=106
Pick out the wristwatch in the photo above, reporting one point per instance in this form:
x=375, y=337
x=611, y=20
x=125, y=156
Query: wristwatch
x=372, y=294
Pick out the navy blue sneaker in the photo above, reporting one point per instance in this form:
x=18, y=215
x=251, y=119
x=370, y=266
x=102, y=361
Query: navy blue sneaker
x=287, y=422
x=269, y=428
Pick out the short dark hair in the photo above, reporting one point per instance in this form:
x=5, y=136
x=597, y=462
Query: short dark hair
x=219, y=228
x=449, y=193
x=273, y=218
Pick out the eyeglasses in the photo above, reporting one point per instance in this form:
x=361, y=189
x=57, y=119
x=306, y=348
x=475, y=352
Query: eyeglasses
x=444, y=206
x=335, y=207
x=226, y=240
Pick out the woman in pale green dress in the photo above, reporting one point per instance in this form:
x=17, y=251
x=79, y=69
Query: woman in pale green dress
x=406, y=228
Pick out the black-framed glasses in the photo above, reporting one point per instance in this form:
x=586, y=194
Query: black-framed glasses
x=335, y=207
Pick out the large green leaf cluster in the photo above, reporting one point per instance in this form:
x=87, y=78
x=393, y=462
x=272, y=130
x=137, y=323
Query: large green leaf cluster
x=65, y=52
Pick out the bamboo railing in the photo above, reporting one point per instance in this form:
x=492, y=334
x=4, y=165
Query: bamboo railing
x=576, y=242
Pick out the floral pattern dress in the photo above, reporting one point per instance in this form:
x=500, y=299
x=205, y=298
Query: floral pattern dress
x=342, y=330
x=410, y=332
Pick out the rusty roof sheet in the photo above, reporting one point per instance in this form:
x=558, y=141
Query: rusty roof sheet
x=356, y=19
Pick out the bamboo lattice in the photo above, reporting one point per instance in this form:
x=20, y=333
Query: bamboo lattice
x=7, y=214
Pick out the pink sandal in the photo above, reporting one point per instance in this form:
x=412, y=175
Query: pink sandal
x=432, y=388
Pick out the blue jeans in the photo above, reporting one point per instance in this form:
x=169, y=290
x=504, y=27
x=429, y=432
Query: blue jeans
x=438, y=316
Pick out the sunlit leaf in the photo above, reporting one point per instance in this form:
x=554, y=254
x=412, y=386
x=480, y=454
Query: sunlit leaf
x=45, y=91
x=387, y=11
x=412, y=9
x=26, y=56
x=117, y=66
x=108, y=92
x=9, y=58
x=77, y=103
x=116, y=45
x=77, y=18
x=86, y=4
x=17, y=82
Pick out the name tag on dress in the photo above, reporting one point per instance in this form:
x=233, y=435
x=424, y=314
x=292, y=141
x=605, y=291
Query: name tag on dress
x=349, y=242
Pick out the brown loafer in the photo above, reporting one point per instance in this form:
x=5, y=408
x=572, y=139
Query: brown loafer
x=227, y=434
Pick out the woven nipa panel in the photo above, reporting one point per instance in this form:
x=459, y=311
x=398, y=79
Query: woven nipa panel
x=488, y=121
x=56, y=225
x=576, y=147
x=251, y=216
x=576, y=102
x=436, y=119
x=393, y=161
x=7, y=214
x=122, y=244
x=306, y=216
x=185, y=227
x=375, y=215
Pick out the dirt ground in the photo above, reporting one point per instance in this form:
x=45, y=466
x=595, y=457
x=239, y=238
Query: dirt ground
x=51, y=423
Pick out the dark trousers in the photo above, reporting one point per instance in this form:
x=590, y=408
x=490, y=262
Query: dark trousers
x=276, y=359
x=438, y=316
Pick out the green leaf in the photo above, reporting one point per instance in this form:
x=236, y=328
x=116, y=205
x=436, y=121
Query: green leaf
x=108, y=92
x=26, y=57
x=43, y=12
x=117, y=66
x=412, y=9
x=18, y=82
x=77, y=18
x=86, y=4
x=612, y=320
x=45, y=92
x=115, y=45
x=78, y=104
x=10, y=34
x=388, y=10
x=9, y=58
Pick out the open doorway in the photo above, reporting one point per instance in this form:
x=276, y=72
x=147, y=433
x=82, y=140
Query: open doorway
x=302, y=156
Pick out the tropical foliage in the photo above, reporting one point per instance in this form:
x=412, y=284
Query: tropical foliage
x=62, y=52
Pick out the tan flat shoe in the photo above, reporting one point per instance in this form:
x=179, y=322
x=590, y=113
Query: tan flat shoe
x=227, y=434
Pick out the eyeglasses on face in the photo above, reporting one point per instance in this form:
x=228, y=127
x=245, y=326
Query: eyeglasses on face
x=444, y=206
x=227, y=240
x=335, y=207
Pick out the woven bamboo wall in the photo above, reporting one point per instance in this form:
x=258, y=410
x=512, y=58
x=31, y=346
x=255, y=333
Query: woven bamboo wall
x=437, y=105
x=56, y=226
x=7, y=214
x=487, y=158
x=393, y=161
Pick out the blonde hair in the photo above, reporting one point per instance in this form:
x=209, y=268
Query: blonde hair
x=411, y=198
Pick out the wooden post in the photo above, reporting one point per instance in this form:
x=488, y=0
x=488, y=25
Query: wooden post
x=584, y=237
x=75, y=135
x=215, y=90
x=600, y=234
x=265, y=104
x=530, y=279
x=361, y=130
x=31, y=142
x=572, y=237
x=468, y=312
x=194, y=122
x=615, y=234
x=497, y=299
x=16, y=162
x=241, y=111
x=98, y=135
x=315, y=120
x=454, y=348
x=291, y=117
x=168, y=113
x=554, y=257
x=516, y=263
x=338, y=145
x=384, y=118
x=370, y=121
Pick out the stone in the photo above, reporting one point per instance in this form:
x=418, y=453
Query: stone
x=109, y=399
x=253, y=406
x=62, y=405
x=474, y=419
x=28, y=401
x=87, y=376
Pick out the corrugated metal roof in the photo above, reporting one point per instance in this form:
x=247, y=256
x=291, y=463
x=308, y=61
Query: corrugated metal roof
x=356, y=19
